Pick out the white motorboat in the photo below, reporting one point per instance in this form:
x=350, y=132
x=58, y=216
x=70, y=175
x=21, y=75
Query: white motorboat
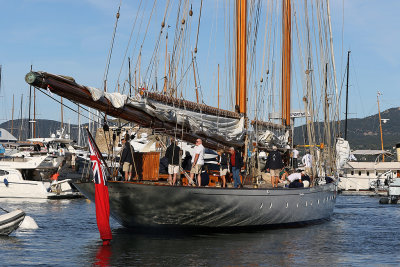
x=367, y=175
x=14, y=186
x=10, y=221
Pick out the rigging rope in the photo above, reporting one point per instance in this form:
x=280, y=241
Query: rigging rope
x=111, y=47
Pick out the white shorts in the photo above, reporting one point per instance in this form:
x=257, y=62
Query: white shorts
x=196, y=169
x=173, y=169
x=223, y=172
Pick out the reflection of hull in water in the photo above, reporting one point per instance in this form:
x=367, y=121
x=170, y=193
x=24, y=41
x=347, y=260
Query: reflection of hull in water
x=133, y=204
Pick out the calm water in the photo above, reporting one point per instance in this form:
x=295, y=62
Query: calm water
x=360, y=233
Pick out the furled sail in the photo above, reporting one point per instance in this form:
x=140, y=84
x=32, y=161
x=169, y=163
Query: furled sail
x=186, y=119
x=270, y=134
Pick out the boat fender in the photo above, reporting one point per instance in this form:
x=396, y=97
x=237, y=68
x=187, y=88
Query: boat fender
x=6, y=182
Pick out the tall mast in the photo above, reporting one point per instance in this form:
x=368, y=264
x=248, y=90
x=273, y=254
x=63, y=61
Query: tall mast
x=62, y=115
x=165, y=64
x=241, y=55
x=29, y=112
x=12, y=118
x=34, y=112
x=20, y=126
x=79, y=125
x=347, y=95
x=218, y=85
x=286, y=61
x=380, y=125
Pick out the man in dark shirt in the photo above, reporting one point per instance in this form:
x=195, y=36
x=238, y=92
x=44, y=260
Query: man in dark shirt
x=173, y=155
x=274, y=165
x=127, y=157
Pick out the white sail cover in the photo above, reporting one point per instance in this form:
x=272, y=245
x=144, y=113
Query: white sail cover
x=217, y=127
x=342, y=152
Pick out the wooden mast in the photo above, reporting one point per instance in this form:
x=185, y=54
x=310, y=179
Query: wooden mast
x=286, y=61
x=241, y=55
x=380, y=125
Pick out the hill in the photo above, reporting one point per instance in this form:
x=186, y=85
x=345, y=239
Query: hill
x=362, y=133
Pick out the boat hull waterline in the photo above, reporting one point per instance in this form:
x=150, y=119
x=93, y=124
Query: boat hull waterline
x=135, y=204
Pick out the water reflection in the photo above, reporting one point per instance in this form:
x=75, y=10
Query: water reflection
x=275, y=247
x=103, y=256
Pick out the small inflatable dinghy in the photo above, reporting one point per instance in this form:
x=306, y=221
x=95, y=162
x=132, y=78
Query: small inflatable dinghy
x=11, y=221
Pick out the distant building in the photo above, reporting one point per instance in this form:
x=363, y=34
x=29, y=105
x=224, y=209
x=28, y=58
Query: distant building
x=6, y=137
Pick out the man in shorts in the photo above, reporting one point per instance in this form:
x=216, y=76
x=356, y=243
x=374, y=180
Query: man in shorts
x=173, y=154
x=274, y=165
x=197, y=162
x=127, y=157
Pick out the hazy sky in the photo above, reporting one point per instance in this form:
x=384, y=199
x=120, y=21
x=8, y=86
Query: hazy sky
x=72, y=37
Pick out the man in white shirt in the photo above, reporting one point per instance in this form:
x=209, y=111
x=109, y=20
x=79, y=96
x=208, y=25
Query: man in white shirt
x=295, y=155
x=295, y=176
x=197, y=161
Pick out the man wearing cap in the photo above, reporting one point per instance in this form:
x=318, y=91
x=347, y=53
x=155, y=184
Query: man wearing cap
x=274, y=165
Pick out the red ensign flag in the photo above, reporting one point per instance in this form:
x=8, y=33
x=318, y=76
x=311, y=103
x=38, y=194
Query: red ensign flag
x=101, y=194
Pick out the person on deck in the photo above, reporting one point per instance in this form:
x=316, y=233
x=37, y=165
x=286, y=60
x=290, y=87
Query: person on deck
x=236, y=162
x=127, y=157
x=295, y=155
x=197, y=162
x=187, y=161
x=274, y=165
x=223, y=162
x=295, y=180
x=173, y=155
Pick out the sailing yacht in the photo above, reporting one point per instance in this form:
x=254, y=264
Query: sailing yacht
x=149, y=202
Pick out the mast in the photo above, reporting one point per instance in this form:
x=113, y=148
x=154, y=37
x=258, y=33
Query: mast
x=286, y=61
x=130, y=77
x=380, y=125
x=79, y=125
x=195, y=82
x=20, y=128
x=62, y=115
x=12, y=118
x=241, y=55
x=165, y=64
x=218, y=86
x=347, y=95
x=34, y=112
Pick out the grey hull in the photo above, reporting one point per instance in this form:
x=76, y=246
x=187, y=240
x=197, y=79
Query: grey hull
x=153, y=205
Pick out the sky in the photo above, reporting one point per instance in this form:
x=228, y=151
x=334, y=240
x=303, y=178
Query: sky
x=72, y=37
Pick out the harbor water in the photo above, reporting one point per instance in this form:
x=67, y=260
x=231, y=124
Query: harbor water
x=361, y=232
